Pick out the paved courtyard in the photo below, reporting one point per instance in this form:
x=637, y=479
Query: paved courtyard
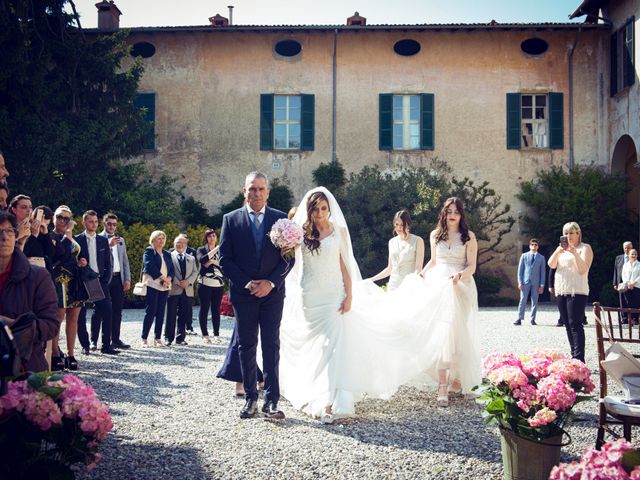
x=173, y=419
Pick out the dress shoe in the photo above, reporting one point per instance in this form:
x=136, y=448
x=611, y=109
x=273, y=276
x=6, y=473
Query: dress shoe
x=559, y=324
x=250, y=409
x=167, y=343
x=517, y=322
x=533, y=322
x=94, y=346
x=270, y=410
x=109, y=351
x=181, y=342
x=121, y=345
x=191, y=332
x=86, y=351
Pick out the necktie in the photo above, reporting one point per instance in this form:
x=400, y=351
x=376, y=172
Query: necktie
x=256, y=219
x=182, y=263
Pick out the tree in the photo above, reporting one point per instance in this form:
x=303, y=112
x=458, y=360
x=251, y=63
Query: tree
x=596, y=201
x=67, y=117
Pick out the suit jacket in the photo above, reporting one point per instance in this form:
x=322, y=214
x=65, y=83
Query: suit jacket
x=123, y=258
x=103, y=255
x=617, y=270
x=151, y=263
x=238, y=255
x=532, y=271
x=191, y=273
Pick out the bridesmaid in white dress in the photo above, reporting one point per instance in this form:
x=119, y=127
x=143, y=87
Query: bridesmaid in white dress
x=454, y=252
x=406, y=252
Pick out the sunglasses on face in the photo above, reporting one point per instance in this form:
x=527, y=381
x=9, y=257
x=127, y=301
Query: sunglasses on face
x=111, y=224
x=63, y=219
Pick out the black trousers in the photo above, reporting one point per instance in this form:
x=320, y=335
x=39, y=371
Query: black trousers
x=116, y=292
x=210, y=299
x=156, y=302
x=632, y=300
x=624, y=303
x=180, y=306
x=102, y=308
x=571, y=308
x=83, y=335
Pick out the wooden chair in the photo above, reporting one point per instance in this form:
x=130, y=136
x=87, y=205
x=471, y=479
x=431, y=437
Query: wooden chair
x=612, y=411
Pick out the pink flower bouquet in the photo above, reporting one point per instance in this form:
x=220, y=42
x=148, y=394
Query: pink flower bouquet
x=616, y=460
x=286, y=235
x=50, y=423
x=532, y=395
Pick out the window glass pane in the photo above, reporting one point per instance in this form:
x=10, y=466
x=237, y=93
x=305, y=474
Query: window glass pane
x=527, y=112
x=526, y=100
x=294, y=136
x=397, y=101
x=415, y=142
x=414, y=114
x=541, y=100
x=281, y=101
x=397, y=142
x=414, y=130
x=294, y=114
x=539, y=112
x=294, y=101
x=397, y=130
x=397, y=114
x=414, y=102
x=281, y=114
x=280, y=136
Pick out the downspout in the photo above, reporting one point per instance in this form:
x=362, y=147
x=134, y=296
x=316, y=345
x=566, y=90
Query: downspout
x=573, y=48
x=334, y=157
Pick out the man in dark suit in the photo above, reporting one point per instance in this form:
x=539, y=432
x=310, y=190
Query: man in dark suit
x=531, y=278
x=256, y=270
x=617, y=275
x=95, y=249
x=120, y=282
x=180, y=301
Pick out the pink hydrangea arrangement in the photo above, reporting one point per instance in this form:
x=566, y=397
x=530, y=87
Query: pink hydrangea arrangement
x=532, y=394
x=50, y=421
x=286, y=235
x=617, y=459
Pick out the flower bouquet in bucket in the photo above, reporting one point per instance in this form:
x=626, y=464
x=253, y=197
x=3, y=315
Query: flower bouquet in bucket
x=530, y=398
x=49, y=426
x=286, y=235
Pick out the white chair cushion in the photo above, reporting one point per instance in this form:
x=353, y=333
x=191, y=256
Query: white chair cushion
x=617, y=406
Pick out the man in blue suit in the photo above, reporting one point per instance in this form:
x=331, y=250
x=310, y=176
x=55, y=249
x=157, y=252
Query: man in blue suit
x=531, y=278
x=256, y=270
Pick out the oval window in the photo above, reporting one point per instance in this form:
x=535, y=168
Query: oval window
x=406, y=47
x=534, y=46
x=143, y=49
x=288, y=48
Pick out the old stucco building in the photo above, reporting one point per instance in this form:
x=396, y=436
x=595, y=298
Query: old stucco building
x=497, y=102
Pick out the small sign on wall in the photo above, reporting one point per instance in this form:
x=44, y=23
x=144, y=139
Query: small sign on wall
x=275, y=165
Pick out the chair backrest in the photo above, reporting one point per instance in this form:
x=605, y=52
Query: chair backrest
x=610, y=329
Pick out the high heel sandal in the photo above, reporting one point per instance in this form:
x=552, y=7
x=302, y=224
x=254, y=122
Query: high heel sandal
x=158, y=343
x=443, y=400
x=207, y=340
x=71, y=363
x=455, y=388
x=57, y=364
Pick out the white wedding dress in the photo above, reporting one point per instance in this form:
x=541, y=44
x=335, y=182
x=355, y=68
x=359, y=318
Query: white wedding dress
x=384, y=341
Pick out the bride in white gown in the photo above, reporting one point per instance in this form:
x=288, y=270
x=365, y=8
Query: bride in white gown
x=342, y=338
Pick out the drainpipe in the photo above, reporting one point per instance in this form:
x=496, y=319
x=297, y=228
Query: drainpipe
x=230, y=7
x=334, y=157
x=573, y=48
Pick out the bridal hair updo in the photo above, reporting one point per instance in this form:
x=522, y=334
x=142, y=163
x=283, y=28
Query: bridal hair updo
x=405, y=218
x=442, y=233
x=311, y=233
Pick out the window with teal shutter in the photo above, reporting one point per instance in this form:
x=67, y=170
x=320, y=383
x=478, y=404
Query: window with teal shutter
x=266, y=121
x=629, y=52
x=556, y=120
x=622, y=57
x=147, y=103
x=426, y=129
x=406, y=122
x=514, y=120
x=385, y=128
x=287, y=122
x=307, y=121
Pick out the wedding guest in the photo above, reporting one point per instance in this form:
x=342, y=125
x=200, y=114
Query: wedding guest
x=4, y=173
x=620, y=261
x=157, y=276
x=4, y=195
x=39, y=249
x=210, y=285
x=181, y=294
x=630, y=280
x=191, y=251
x=21, y=207
x=66, y=262
x=572, y=261
x=27, y=299
x=531, y=277
x=406, y=252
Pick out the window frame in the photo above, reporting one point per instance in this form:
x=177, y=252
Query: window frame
x=287, y=122
x=544, y=121
x=622, y=53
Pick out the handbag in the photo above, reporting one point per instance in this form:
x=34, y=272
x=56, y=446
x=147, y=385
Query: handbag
x=94, y=290
x=623, y=287
x=632, y=388
x=140, y=288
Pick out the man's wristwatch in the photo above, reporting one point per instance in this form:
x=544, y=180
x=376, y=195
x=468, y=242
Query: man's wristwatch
x=273, y=285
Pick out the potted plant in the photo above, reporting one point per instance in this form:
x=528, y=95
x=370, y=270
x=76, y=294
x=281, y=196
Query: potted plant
x=49, y=425
x=530, y=399
x=617, y=459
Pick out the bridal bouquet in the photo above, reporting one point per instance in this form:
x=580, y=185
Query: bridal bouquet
x=532, y=395
x=49, y=424
x=286, y=235
x=617, y=459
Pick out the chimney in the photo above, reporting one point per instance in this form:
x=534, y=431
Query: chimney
x=230, y=7
x=356, y=19
x=219, y=21
x=108, y=16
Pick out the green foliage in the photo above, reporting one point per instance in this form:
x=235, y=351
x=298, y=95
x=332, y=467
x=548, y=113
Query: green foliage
x=193, y=212
x=330, y=175
x=594, y=199
x=236, y=202
x=67, y=116
x=280, y=196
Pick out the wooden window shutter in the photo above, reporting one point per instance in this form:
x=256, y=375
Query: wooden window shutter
x=148, y=102
x=266, y=121
x=629, y=52
x=614, y=64
x=513, y=121
x=307, y=122
x=385, y=137
x=426, y=121
x=556, y=120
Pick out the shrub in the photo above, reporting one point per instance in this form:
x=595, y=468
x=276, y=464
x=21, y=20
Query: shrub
x=330, y=175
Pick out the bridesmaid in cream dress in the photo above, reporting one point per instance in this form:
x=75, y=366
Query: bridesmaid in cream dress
x=406, y=252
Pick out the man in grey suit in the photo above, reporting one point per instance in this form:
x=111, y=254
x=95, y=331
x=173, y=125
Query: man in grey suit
x=120, y=281
x=617, y=275
x=531, y=278
x=181, y=293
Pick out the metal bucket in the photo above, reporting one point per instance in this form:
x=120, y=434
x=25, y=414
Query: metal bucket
x=524, y=459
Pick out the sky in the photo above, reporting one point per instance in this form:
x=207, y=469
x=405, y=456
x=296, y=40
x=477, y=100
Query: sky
x=142, y=13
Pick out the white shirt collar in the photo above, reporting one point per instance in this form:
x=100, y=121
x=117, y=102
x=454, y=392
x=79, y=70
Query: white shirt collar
x=90, y=235
x=261, y=212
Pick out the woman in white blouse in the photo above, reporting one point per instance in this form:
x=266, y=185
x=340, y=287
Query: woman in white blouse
x=406, y=252
x=572, y=261
x=631, y=278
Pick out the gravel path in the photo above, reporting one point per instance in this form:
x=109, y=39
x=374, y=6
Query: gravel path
x=173, y=419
